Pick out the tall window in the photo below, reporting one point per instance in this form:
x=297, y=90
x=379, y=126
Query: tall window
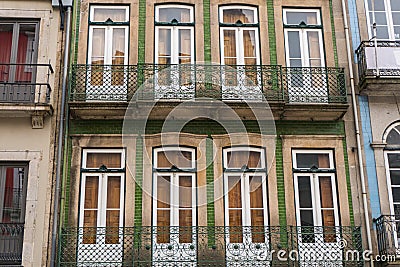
x=304, y=55
x=392, y=162
x=102, y=195
x=108, y=52
x=239, y=49
x=18, y=45
x=316, y=200
x=386, y=15
x=245, y=194
x=174, y=34
x=13, y=184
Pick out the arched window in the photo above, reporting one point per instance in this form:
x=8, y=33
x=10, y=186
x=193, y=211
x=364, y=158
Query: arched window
x=392, y=164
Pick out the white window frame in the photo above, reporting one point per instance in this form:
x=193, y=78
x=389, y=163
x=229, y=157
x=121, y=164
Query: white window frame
x=315, y=189
x=245, y=185
x=316, y=11
x=240, y=58
x=174, y=34
x=389, y=20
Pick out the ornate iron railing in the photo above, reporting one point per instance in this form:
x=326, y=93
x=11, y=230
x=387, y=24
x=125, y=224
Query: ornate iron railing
x=211, y=246
x=180, y=82
x=385, y=53
x=388, y=235
x=25, y=83
x=11, y=240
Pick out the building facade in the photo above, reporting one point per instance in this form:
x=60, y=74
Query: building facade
x=376, y=34
x=209, y=133
x=30, y=48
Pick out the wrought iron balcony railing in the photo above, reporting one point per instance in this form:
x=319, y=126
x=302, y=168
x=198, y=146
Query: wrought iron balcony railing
x=211, y=246
x=11, y=240
x=230, y=83
x=388, y=235
x=382, y=59
x=25, y=83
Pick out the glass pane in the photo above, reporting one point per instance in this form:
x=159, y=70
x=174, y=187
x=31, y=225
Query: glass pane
x=304, y=186
x=174, y=13
x=115, y=14
x=298, y=17
x=6, y=32
x=249, y=43
x=257, y=223
x=306, y=218
x=229, y=45
x=13, y=200
x=396, y=194
x=26, y=52
x=256, y=192
x=382, y=32
x=113, y=192
x=308, y=160
x=118, y=52
x=185, y=191
x=328, y=221
x=180, y=159
x=393, y=137
x=185, y=223
x=163, y=223
x=164, y=43
x=395, y=5
x=235, y=226
x=238, y=14
x=91, y=192
x=395, y=177
x=294, y=45
x=394, y=160
x=112, y=227
x=314, y=48
x=396, y=32
x=378, y=5
x=325, y=186
x=234, y=194
x=239, y=159
x=380, y=18
x=163, y=192
x=89, y=221
x=110, y=160
x=185, y=43
x=98, y=42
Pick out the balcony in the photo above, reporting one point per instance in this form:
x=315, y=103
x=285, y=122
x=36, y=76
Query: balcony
x=378, y=66
x=211, y=246
x=388, y=236
x=11, y=240
x=25, y=91
x=290, y=92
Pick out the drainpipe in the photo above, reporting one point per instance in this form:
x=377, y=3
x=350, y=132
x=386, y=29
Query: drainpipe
x=60, y=138
x=357, y=131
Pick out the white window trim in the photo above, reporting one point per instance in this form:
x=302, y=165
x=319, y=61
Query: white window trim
x=245, y=194
x=388, y=180
x=158, y=7
x=86, y=151
x=108, y=32
x=174, y=42
x=173, y=148
x=93, y=7
x=315, y=197
x=102, y=198
x=317, y=11
x=389, y=20
x=314, y=151
x=223, y=8
x=174, y=197
x=244, y=149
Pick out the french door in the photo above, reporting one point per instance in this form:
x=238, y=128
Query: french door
x=174, y=218
x=317, y=219
x=305, y=59
x=246, y=218
x=107, y=59
x=101, y=219
x=174, y=54
x=241, y=77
